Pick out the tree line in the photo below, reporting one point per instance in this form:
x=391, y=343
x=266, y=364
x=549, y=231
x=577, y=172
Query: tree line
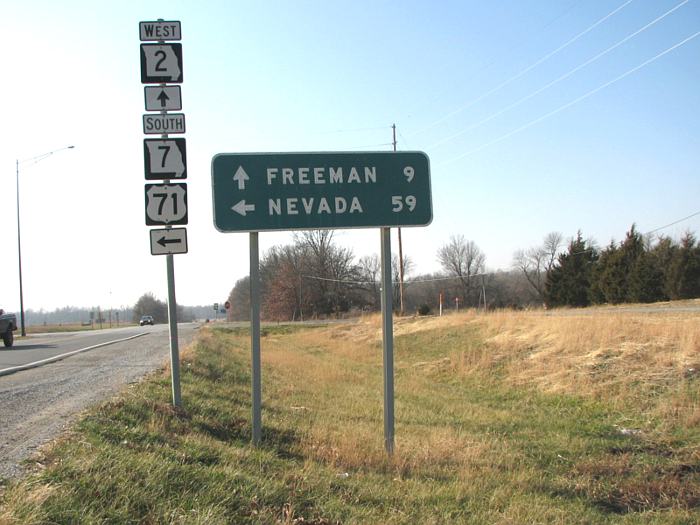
x=148, y=304
x=313, y=277
x=639, y=269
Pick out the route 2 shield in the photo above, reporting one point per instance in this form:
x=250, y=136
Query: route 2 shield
x=161, y=63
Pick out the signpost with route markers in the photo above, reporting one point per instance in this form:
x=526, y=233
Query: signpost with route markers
x=164, y=159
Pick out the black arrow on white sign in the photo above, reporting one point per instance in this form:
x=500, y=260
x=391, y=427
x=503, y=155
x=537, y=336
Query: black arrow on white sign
x=164, y=241
x=167, y=242
x=163, y=97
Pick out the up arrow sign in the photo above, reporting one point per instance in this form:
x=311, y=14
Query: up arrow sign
x=241, y=177
x=242, y=208
x=163, y=98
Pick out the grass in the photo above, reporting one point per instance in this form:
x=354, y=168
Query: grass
x=75, y=327
x=503, y=418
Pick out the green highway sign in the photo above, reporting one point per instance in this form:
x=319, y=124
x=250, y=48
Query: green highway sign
x=299, y=191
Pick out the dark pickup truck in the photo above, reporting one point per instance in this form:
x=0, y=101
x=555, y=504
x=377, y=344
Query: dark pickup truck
x=8, y=324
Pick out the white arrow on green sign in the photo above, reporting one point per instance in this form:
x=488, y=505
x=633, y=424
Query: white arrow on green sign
x=297, y=191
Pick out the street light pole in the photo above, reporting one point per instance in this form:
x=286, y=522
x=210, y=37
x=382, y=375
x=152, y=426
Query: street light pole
x=36, y=159
x=19, y=257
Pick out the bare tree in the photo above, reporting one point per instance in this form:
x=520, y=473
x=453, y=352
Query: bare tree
x=463, y=259
x=333, y=270
x=369, y=270
x=396, y=276
x=537, y=262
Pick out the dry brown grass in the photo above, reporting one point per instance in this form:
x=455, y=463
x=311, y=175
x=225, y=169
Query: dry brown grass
x=617, y=355
x=612, y=355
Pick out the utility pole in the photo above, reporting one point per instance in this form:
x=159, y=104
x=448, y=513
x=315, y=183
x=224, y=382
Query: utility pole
x=393, y=128
x=301, y=309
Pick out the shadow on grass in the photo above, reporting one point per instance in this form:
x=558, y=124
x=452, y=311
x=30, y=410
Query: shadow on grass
x=284, y=443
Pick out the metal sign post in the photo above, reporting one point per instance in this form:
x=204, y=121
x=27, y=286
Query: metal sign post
x=387, y=340
x=172, y=322
x=166, y=203
x=255, y=337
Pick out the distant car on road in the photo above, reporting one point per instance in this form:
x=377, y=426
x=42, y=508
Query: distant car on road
x=146, y=319
x=8, y=323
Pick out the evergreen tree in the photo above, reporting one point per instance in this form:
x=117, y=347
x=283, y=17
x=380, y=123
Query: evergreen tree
x=683, y=277
x=608, y=277
x=613, y=278
x=645, y=281
x=569, y=281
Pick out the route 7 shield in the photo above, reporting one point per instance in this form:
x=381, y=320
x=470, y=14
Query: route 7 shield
x=166, y=204
x=165, y=159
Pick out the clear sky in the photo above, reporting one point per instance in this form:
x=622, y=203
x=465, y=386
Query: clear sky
x=527, y=131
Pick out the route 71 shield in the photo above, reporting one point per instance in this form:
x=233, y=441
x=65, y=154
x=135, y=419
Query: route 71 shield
x=165, y=159
x=166, y=204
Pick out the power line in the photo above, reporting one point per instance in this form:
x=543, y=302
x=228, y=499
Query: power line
x=411, y=281
x=524, y=71
x=351, y=130
x=482, y=274
x=569, y=104
x=559, y=79
x=403, y=138
x=371, y=146
x=643, y=234
x=317, y=278
x=672, y=223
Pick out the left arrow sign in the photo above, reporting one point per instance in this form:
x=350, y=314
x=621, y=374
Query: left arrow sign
x=167, y=242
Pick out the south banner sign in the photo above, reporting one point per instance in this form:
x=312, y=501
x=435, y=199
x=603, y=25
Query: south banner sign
x=298, y=191
x=161, y=124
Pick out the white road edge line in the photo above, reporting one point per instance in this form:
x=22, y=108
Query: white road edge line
x=12, y=370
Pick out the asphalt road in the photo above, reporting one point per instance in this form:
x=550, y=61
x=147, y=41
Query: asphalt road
x=40, y=347
x=37, y=403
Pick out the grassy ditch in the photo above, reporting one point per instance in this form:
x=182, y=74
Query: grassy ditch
x=481, y=436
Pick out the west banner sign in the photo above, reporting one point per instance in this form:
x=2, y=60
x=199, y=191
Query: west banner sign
x=331, y=190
